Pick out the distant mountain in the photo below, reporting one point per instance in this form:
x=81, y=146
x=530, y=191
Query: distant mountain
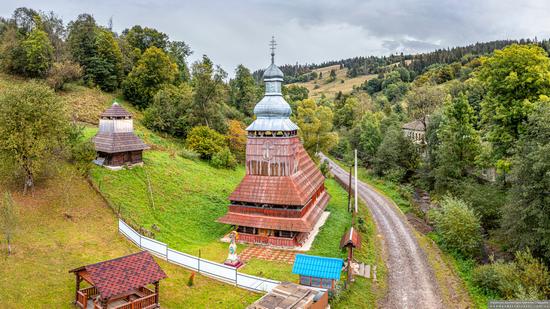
x=362, y=65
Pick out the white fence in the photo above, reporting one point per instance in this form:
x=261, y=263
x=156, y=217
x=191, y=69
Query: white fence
x=212, y=269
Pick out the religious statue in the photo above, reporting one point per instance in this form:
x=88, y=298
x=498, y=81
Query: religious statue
x=232, y=257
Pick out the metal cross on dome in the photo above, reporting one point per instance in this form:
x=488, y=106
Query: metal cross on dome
x=272, y=45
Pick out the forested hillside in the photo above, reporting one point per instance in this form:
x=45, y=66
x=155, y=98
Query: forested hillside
x=416, y=63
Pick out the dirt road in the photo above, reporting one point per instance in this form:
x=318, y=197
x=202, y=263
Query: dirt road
x=411, y=282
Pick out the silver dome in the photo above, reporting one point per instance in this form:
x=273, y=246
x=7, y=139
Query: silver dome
x=273, y=72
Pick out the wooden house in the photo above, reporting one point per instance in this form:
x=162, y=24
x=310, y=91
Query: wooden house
x=115, y=143
x=120, y=283
x=282, y=195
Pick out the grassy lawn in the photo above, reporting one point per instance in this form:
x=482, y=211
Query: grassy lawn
x=67, y=225
x=185, y=200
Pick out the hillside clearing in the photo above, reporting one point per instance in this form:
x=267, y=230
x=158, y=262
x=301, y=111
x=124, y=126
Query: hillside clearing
x=322, y=86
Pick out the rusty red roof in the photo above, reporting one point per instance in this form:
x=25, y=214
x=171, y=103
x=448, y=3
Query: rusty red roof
x=116, y=111
x=123, y=274
x=304, y=224
x=110, y=142
x=296, y=189
x=352, y=237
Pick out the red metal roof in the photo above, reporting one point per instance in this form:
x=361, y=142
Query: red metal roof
x=295, y=189
x=304, y=224
x=351, y=238
x=124, y=274
x=116, y=111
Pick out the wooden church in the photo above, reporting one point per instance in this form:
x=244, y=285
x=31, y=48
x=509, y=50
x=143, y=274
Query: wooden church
x=115, y=143
x=282, y=195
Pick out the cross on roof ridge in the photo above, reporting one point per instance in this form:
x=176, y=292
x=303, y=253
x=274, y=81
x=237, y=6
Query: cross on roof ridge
x=272, y=45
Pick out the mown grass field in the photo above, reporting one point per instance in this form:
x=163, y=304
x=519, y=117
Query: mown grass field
x=67, y=225
x=322, y=86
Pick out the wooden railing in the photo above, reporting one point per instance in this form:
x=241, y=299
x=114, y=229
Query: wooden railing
x=90, y=292
x=140, y=303
x=81, y=299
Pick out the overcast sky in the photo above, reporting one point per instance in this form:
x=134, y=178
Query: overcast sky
x=233, y=32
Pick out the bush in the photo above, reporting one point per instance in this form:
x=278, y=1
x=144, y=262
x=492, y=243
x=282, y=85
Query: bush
x=324, y=168
x=188, y=154
x=525, y=278
x=63, y=72
x=236, y=136
x=81, y=151
x=224, y=159
x=459, y=226
x=205, y=141
x=487, y=201
x=168, y=111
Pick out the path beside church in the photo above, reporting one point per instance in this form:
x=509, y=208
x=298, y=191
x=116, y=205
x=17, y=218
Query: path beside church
x=411, y=282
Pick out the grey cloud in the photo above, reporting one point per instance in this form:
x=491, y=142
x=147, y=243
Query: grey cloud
x=233, y=32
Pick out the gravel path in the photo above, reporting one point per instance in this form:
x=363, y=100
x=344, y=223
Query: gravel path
x=411, y=282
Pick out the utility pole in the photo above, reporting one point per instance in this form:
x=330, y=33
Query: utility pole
x=355, y=195
x=349, y=189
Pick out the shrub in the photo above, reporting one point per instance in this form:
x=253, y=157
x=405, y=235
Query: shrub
x=81, y=150
x=459, y=226
x=236, y=136
x=205, y=141
x=63, y=72
x=525, y=278
x=188, y=154
x=325, y=168
x=496, y=278
x=168, y=111
x=224, y=159
x=487, y=201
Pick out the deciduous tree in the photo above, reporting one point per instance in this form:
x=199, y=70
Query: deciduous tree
x=315, y=124
x=210, y=94
x=514, y=79
x=33, y=124
x=153, y=70
x=169, y=111
x=526, y=220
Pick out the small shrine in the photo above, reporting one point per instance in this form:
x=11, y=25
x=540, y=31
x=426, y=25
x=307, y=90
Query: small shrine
x=350, y=240
x=282, y=196
x=115, y=143
x=124, y=282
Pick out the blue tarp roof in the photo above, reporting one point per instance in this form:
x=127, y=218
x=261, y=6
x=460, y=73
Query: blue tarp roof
x=317, y=266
